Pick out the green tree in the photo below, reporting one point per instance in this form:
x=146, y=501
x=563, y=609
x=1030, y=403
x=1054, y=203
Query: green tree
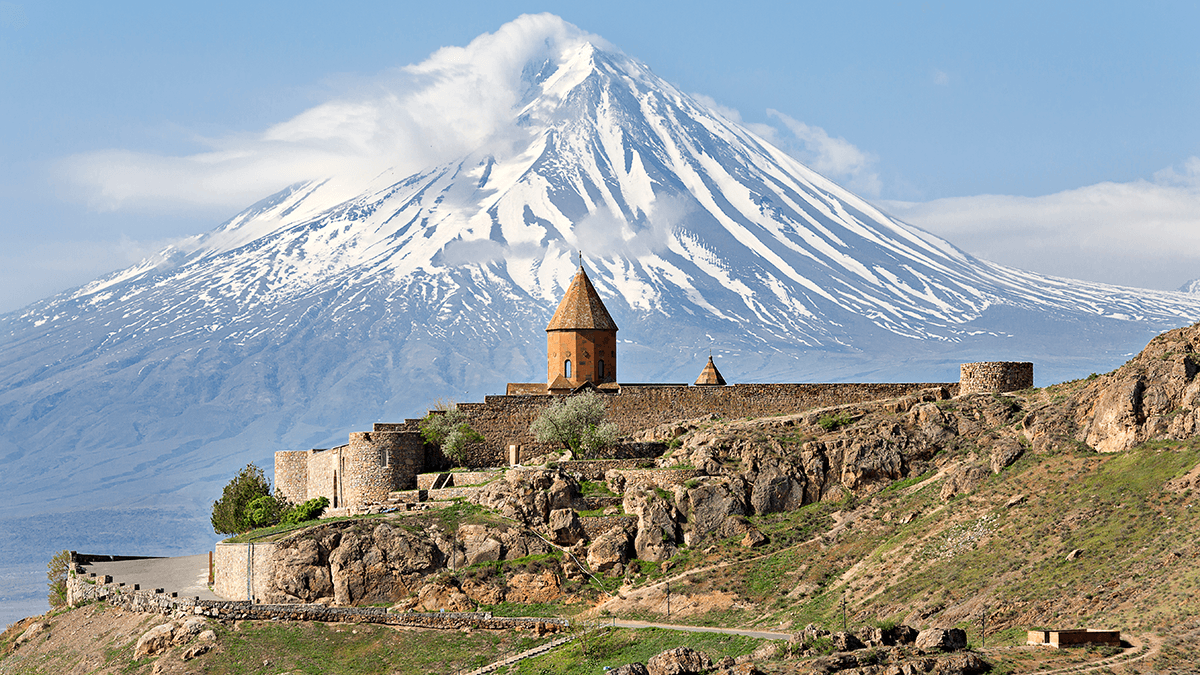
x=56, y=574
x=447, y=428
x=231, y=513
x=576, y=423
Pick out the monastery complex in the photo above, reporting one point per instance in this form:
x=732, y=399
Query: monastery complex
x=581, y=355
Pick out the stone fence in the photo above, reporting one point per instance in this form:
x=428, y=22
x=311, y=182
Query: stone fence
x=594, y=469
x=81, y=590
x=664, y=479
x=594, y=526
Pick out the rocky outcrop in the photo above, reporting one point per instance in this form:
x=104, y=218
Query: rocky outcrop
x=658, y=529
x=564, y=527
x=610, y=552
x=369, y=561
x=529, y=495
x=946, y=639
x=679, y=661
x=708, y=503
x=1154, y=395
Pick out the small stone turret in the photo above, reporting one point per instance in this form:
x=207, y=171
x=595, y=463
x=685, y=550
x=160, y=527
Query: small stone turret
x=994, y=376
x=710, y=376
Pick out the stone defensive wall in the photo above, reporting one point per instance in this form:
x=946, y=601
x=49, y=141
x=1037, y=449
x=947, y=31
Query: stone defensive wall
x=994, y=376
x=81, y=590
x=364, y=470
x=504, y=420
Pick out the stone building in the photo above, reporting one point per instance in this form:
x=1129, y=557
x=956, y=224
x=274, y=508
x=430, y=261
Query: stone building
x=581, y=343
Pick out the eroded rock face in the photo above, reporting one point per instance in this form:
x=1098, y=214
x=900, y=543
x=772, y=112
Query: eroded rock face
x=609, y=553
x=947, y=639
x=533, y=588
x=1155, y=395
x=658, y=529
x=564, y=527
x=679, y=661
x=529, y=495
x=301, y=573
x=380, y=566
x=709, y=504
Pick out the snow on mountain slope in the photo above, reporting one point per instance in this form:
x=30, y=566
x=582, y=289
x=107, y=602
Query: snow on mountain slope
x=314, y=313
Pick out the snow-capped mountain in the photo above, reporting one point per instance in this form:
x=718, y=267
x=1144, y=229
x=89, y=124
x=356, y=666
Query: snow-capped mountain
x=314, y=313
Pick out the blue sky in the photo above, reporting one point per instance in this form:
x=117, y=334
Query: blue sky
x=1059, y=138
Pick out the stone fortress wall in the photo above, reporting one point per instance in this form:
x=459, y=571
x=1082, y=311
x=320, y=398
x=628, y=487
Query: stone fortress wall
x=364, y=470
x=994, y=376
x=389, y=457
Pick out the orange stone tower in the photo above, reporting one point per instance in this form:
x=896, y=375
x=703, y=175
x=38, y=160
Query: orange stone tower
x=581, y=340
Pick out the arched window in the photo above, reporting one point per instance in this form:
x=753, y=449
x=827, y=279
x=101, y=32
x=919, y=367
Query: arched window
x=600, y=370
x=567, y=369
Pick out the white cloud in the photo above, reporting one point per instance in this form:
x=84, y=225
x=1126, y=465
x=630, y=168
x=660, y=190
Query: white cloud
x=835, y=158
x=1142, y=233
x=941, y=78
x=458, y=100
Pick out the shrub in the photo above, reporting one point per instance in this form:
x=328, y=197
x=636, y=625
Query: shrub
x=577, y=424
x=309, y=510
x=265, y=511
x=231, y=513
x=833, y=422
x=56, y=574
x=446, y=428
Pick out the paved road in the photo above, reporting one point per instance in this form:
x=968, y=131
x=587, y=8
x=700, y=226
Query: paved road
x=760, y=634
x=187, y=576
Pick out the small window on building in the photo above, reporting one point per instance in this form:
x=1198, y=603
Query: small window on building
x=384, y=456
x=567, y=369
x=600, y=369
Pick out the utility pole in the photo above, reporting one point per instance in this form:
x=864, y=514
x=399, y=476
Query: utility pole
x=668, y=599
x=843, y=612
x=983, y=628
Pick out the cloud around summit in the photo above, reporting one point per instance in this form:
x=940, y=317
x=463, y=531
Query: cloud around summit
x=458, y=100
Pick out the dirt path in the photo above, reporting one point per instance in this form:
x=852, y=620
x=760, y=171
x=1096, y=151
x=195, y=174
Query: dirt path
x=760, y=634
x=1135, y=653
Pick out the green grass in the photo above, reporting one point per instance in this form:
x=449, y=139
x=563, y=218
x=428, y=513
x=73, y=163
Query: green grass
x=616, y=647
x=356, y=649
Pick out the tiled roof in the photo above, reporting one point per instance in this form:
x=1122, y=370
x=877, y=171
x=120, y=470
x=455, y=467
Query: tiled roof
x=710, y=376
x=581, y=308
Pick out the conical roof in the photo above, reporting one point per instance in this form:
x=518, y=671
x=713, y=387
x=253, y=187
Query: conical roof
x=581, y=308
x=710, y=376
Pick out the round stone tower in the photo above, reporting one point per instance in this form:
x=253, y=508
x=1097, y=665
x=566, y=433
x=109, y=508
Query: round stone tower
x=994, y=376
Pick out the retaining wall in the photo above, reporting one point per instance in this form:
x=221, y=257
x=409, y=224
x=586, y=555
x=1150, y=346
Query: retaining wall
x=80, y=591
x=594, y=526
x=233, y=564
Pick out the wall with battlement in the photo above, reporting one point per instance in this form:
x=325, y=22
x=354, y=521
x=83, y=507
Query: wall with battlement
x=389, y=457
x=995, y=376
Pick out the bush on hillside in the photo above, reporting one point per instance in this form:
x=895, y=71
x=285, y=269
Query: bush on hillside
x=577, y=424
x=56, y=574
x=232, y=513
x=309, y=510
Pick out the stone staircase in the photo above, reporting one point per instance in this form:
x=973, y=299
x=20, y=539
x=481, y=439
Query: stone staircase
x=536, y=651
